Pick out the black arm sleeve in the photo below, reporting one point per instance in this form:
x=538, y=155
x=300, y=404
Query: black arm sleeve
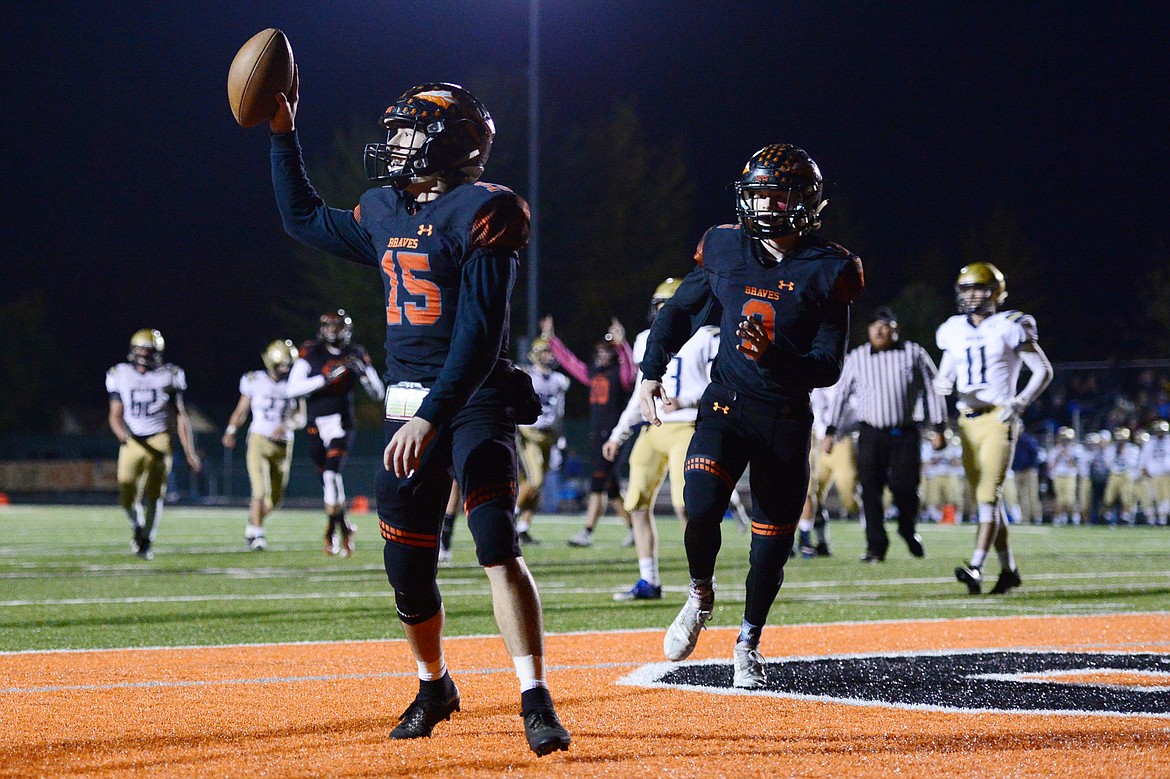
x=692, y=306
x=304, y=213
x=486, y=283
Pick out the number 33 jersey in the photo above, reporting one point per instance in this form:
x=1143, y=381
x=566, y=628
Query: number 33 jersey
x=145, y=396
x=984, y=358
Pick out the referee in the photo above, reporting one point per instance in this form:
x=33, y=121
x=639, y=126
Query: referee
x=887, y=377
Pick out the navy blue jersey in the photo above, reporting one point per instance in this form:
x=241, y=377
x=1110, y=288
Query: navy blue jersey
x=336, y=397
x=447, y=266
x=803, y=303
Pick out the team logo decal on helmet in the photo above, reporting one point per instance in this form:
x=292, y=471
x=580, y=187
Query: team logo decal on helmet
x=335, y=328
x=146, y=348
x=779, y=193
x=980, y=276
x=433, y=130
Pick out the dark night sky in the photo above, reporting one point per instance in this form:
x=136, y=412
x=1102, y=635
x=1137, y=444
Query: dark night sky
x=132, y=198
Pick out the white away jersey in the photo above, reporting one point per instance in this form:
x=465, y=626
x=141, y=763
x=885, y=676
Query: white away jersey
x=551, y=390
x=145, y=396
x=272, y=409
x=983, y=360
x=1155, y=457
x=1067, y=459
x=687, y=375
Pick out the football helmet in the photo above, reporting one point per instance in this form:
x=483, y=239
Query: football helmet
x=1159, y=427
x=449, y=134
x=1121, y=434
x=335, y=328
x=1066, y=434
x=983, y=276
x=539, y=351
x=279, y=357
x=664, y=292
x=146, y=348
x=779, y=193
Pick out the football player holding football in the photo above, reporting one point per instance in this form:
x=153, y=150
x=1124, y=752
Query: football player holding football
x=275, y=415
x=326, y=371
x=983, y=350
x=662, y=449
x=781, y=295
x=447, y=247
x=144, y=393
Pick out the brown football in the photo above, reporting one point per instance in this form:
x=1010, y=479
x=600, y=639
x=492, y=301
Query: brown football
x=262, y=69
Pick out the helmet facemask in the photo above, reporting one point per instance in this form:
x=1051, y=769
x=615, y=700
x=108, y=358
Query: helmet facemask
x=779, y=193
x=279, y=358
x=335, y=329
x=434, y=131
x=146, y=349
x=968, y=303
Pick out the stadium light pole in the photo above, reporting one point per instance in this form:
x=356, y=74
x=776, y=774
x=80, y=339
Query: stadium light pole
x=534, y=166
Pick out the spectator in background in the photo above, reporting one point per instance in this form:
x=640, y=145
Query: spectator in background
x=610, y=379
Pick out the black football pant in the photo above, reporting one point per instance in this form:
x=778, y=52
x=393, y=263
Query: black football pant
x=888, y=456
x=732, y=433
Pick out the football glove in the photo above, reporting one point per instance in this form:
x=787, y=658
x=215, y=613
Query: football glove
x=1010, y=411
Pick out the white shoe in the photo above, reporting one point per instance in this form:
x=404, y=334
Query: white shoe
x=683, y=633
x=444, y=554
x=257, y=543
x=582, y=538
x=749, y=668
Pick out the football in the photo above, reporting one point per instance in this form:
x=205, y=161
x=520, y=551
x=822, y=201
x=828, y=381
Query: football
x=262, y=69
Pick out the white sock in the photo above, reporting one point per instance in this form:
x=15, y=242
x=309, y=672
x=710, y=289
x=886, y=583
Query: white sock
x=530, y=671
x=804, y=525
x=648, y=569
x=986, y=512
x=432, y=671
x=522, y=525
x=977, y=558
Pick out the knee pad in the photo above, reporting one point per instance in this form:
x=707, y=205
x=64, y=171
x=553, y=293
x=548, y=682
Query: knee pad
x=334, y=488
x=705, y=494
x=490, y=523
x=411, y=572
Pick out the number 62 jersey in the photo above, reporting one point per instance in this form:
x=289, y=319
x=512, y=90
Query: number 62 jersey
x=146, y=396
x=983, y=358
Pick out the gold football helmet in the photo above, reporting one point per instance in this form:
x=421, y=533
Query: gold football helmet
x=662, y=293
x=982, y=276
x=540, y=352
x=279, y=357
x=1159, y=427
x=1066, y=434
x=146, y=348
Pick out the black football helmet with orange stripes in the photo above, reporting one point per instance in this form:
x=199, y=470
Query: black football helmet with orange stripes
x=779, y=193
x=335, y=328
x=433, y=130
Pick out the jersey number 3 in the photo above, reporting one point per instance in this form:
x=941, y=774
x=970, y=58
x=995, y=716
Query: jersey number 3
x=407, y=264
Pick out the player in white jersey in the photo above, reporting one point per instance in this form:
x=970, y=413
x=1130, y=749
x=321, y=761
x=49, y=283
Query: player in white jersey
x=1121, y=457
x=1066, y=463
x=1155, y=466
x=983, y=351
x=144, y=393
x=270, y=436
x=537, y=441
x=663, y=449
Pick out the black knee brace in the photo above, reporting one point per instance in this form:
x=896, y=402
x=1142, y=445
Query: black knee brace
x=411, y=572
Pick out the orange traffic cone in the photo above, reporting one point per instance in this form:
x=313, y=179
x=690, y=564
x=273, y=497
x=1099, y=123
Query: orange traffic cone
x=360, y=505
x=3, y=498
x=948, y=517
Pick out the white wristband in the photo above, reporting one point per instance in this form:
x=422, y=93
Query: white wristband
x=231, y=430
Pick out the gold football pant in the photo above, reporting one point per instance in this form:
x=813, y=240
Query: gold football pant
x=657, y=451
x=143, y=466
x=536, y=447
x=838, y=466
x=268, y=468
x=1064, y=493
x=988, y=445
x=1119, y=490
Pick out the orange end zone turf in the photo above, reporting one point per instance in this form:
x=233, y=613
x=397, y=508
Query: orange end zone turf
x=325, y=710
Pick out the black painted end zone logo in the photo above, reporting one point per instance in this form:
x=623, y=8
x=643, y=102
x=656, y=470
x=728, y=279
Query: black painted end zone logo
x=1000, y=681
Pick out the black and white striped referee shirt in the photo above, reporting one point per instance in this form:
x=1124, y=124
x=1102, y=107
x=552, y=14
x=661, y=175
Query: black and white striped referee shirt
x=887, y=386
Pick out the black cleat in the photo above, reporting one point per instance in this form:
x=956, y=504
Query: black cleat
x=1007, y=580
x=870, y=557
x=823, y=549
x=914, y=544
x=423, y=714
x=526, y=539
x=544, y=732
x=972, y=577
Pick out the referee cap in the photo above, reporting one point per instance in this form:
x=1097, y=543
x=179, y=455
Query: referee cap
x=884, y=314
